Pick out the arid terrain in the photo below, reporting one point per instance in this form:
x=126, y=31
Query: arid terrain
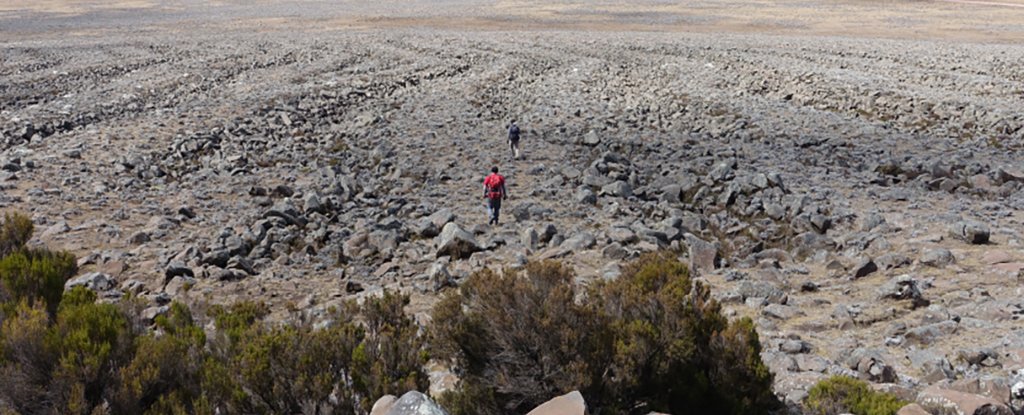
x=850, y=174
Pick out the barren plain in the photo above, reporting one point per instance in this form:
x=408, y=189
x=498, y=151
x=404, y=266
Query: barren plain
x=848, y=173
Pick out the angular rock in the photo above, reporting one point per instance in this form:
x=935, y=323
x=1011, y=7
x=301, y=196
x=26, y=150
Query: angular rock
x=441, y=218
x=139, y=238
x=972, y=232
x=529, y=238
x=585, y=197
x=579, y=242
x=703, y=255
x=383, y=405
x=864, y=267
x=415, y=403
x=176, y=269
x=617, y=189
x=781, y=312
x=456, y=242
x=621, y=235
x=938, y=400
x=150, y=314
x=764, y=290
x=928, y=334
x=937, y=257
x=439, y=276
x=912, y=409
x=95, y=281
x=569, y=404
x=311, y=203
x=179, y=285
x=903, y=287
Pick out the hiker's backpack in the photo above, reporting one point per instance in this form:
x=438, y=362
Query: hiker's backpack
x=494, y=183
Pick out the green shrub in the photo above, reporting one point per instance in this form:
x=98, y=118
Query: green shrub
x=841, y=394
x=34, y=274
x=368, y=351
x=520, y=338
x=14, y=232
x=91, y=340
x=390, y=358
x=26, y=363
x=161, y=376
x=650, y=340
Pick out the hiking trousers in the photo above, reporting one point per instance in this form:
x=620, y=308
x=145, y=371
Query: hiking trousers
x=493, y=208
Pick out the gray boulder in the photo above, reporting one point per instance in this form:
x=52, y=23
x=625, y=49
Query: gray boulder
x=456, y=242
x=95, y=281
x=617, y=189
x=937, y=257
x=579, y=242
x=703, y=254
x=903, y=287
x=415, y=403
x=585, y=197
x=972, y=232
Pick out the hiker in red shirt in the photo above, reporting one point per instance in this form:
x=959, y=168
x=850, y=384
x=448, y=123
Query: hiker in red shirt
x=494, y=192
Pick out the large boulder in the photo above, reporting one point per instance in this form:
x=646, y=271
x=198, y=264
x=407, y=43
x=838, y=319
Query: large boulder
x=703, y=254
x=939, y=400
x=456, y=242
x=569, y=404
x=970, y=231
x=903, y=287
x=617, y=189
x=415, y=403
x=95, y=281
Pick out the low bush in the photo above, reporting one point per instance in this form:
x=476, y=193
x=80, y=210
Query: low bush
x=36, y=275
x=841, y=394
x=15, y=232
x=651, y=340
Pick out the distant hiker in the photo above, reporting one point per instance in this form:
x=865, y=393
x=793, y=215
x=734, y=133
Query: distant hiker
x=513, y=139
x=494, y=192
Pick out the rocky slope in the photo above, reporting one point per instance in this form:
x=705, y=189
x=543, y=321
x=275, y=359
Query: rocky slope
x=860, y=198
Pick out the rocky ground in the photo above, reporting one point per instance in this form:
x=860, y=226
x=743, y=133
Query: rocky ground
x=860, y=198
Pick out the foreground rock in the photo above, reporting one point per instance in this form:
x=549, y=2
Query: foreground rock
x=411, y=403
x=569, y=404
x=456, y=242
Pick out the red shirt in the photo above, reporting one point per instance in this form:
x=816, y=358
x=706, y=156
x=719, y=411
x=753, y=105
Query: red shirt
x=494, y=186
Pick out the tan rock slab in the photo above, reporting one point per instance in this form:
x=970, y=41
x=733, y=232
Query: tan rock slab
x=936, y=399
x=912, y=409
x=569, y=404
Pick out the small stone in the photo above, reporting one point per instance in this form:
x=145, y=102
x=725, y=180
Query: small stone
x=139, y=238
